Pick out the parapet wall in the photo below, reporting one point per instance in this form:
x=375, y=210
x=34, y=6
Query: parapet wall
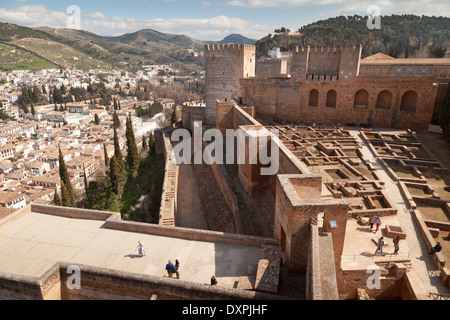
x=271, y=67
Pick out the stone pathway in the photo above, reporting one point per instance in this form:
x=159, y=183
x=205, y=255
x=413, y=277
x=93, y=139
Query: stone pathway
x=422, y=263
x=189, y=209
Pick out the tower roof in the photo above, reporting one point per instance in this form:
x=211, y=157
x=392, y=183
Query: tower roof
x=379, y=56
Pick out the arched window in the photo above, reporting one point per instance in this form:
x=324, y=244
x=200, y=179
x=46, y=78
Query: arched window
x=331, y=99
x=361, y=99
x=314, y=98
x=384, y=100
x=409, y=102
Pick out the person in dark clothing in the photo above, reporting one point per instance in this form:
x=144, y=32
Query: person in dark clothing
x=177, y=269
x=436, y=248
x=214, y=281
x=170, y=269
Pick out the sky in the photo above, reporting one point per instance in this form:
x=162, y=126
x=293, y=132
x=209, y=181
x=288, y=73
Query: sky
x=205, y=20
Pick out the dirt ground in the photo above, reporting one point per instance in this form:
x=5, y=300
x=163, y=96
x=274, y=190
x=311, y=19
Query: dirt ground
x=437, y=144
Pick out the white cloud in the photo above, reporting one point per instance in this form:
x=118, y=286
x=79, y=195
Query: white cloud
x=280, y=3
x=215, y=28
x=96, y=15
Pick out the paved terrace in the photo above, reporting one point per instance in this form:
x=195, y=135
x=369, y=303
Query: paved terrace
x=32, y=242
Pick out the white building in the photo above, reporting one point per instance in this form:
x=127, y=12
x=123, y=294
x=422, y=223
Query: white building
x=12, y=200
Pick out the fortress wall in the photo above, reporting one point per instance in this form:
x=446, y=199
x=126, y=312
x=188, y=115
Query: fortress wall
x=13, y=287
x=270, y=67
x=191, y=114
x=73, y=213
x=324, y=60
x=105, y=284
x=168, y=206
x=262, y=93
x=345, y=111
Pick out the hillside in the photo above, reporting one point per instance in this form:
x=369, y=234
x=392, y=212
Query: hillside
x=85, y=50
x=399, y=36
x=234, y=38
x=12, y=58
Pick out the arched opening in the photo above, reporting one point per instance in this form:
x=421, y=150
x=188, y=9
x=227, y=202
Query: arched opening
x=409, y=102
x=314, y=98
x=331, y=99
x=361, y=99
x=384, y=100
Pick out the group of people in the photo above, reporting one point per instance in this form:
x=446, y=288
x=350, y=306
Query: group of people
x=173, y=269
x=375, y=220
x=437, y=248
x=381, y=245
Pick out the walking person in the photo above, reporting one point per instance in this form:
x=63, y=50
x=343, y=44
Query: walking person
x=378, y=222
x=141, y=249
x=396, y=245
x=177, y=269
x=372, y=222
x=380, y=246
x=170, y=268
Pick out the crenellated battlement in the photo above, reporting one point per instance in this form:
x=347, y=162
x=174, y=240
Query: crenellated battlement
x=269, y=61
x=328, y=49
x=227, y=47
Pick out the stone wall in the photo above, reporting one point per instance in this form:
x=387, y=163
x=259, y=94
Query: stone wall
x=271, y=67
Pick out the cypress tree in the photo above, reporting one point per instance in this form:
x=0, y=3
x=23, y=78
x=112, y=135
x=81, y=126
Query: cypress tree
x=151, y=145
x=65, y=202
x=116, y=121
x=86, y=185
x=65, y=179
x=132, y=150
x=118, y=152
x=115, y=176
x=144, y=145
x=444, y=113
x=106, y=155
x=57, y=199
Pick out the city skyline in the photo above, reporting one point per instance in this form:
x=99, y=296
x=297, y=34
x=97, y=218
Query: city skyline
x=202, y=20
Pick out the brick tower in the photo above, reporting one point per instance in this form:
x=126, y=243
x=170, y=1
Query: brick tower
x=225, y=65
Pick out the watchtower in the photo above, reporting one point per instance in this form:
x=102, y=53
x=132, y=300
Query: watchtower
x=225, y=65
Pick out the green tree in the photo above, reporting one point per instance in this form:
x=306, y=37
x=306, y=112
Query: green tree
x=116, y=121
x=97, y=119
x=115, y=175
x=151, y=145
x=106, y=155
x=132, y=150
x=68, y=198
x=118, y=152
x=173, y=116
x=65, y=196
x=444, y=113
x=86, y=184
x=57, y=199
x=144, y=145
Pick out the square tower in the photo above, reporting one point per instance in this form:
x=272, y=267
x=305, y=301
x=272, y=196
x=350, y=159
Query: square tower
x=225, y=65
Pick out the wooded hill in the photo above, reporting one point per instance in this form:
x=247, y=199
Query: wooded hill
x=399, y=35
